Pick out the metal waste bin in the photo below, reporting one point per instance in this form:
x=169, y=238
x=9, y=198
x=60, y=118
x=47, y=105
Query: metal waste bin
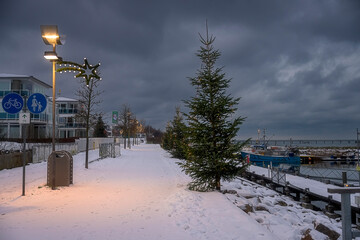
x=59, y=169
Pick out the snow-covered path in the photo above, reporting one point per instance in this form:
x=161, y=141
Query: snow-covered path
x=140, y=195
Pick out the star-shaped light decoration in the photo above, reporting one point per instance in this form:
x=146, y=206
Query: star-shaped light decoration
x=85, y=70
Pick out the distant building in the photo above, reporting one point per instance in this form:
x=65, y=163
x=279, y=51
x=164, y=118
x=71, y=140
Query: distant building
x=68, y=125
x=41, y=124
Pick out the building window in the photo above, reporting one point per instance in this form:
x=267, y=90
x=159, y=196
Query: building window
x=71, y=133
x=16, y=85
x=3, y=130
x=14, y=131
x=62, y=134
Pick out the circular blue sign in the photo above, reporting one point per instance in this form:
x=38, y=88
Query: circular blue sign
x=36, y=103
x=12, y=103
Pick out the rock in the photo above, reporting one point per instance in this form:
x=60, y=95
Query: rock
x=246, y=208
x=281, y=203
x=333, y=235
x=229, y=191
x=332, y=215
x=307, y=235
x=261, y=208
x=247, y=196
x=307, y=205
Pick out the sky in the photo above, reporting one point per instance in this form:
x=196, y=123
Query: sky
x=295, y=64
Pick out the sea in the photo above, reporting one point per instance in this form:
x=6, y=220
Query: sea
x=321, y=171
x=309, y=143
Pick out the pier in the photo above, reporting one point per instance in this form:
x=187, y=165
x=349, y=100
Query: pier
x=309, y=199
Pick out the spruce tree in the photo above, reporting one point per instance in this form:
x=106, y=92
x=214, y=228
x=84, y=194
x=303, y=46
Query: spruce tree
x=179, y=136
x=99, y=129
x=212, y=151
x=167, y=139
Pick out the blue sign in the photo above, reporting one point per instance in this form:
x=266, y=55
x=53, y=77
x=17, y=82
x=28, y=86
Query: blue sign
x=36, y=103
x=12, y=103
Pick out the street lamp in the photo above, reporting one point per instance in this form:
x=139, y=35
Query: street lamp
x=50, y=36
x=51, y=55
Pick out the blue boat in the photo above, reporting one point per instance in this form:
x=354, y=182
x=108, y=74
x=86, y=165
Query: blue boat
x=262, y=155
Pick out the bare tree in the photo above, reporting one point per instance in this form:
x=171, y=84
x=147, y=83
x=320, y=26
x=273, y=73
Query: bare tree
x=88, y=95
x=89, y=100
x=125, y=119
x=140, y=128
x=134, y=123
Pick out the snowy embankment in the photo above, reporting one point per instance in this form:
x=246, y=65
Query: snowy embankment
x=143, y=195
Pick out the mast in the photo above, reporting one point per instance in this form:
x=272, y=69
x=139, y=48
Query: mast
x=357, y=142
x=264, y=137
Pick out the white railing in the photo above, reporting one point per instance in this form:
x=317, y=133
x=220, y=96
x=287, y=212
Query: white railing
x=109, y=150
x=93, y=143
x=41, y=152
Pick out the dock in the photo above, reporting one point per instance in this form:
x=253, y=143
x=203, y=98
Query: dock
x=329, y=204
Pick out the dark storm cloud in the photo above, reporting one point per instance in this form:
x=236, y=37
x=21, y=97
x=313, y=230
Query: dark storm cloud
x=294, y=63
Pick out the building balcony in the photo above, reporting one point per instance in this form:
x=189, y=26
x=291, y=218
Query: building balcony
x=20, y=92
x=67, y=111
x=72, y=125
x=35, y=118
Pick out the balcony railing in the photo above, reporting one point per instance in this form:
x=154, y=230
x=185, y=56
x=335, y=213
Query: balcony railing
x=21, y=92
x=67, y=111
x=72, y=125
x=40, y=117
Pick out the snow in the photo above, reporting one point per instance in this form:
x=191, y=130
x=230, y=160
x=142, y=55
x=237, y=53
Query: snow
x=6, y=75
x=143, y=195
x=10, y=146
x=64, y=99
x=279, y=214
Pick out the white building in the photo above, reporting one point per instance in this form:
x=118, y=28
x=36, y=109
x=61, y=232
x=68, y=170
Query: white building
x=41, y=124
x=69, y=126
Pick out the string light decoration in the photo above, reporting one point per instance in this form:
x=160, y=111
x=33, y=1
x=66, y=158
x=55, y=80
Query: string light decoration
x=85, y=70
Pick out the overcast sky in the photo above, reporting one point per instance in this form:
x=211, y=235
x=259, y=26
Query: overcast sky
x=295, y=64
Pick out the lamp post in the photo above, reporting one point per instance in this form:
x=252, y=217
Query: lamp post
x=50, y=36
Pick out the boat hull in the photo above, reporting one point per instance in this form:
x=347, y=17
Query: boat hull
x=263, y=160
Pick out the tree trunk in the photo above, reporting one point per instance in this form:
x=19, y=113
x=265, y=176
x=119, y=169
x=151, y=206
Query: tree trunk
x=129, y=142
x=87, y=128
x=87, y=145
x=218, y=186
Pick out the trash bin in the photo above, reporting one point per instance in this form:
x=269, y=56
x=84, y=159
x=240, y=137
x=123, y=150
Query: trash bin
x=59, y=169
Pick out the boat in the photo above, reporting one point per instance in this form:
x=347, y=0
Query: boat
x=263, y=155
x=308, y=159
